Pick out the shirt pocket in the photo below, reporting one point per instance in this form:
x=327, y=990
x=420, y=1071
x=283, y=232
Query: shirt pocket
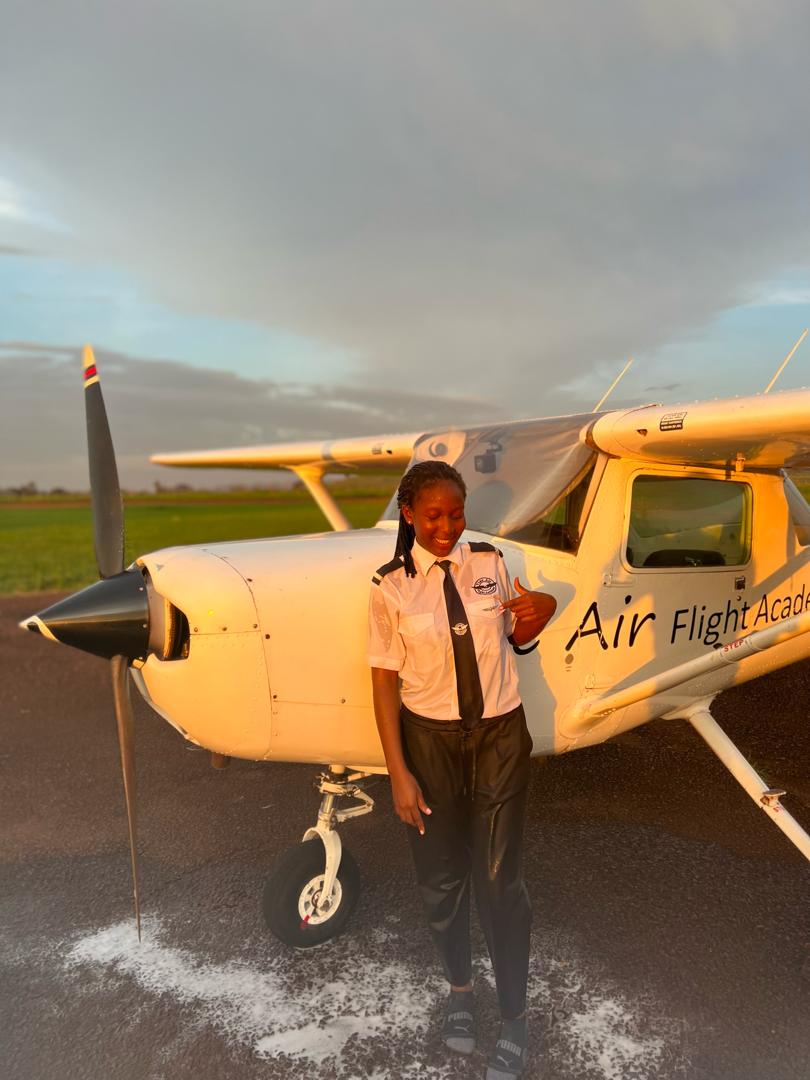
x=411, y=626
x=485, y=609
x=486, y=619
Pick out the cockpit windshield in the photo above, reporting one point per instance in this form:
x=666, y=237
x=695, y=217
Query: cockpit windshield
x=526, y=480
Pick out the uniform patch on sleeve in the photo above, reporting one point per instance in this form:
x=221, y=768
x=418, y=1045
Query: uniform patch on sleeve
x=381, y=620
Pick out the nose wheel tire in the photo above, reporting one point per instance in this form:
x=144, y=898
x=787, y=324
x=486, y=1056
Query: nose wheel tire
x=295, y=909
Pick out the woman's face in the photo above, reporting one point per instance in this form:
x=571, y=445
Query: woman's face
x=437, y=515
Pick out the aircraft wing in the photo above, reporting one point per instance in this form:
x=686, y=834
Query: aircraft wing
x=383, y=454
x=371, y=453
x=761, y=432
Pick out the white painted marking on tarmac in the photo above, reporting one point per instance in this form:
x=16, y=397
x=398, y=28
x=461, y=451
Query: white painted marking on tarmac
x=261, y=1008
x=595, y=1032
x=601, y=1037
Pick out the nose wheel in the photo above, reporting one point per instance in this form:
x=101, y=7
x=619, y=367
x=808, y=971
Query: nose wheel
x=314, y=887
x=296, y=908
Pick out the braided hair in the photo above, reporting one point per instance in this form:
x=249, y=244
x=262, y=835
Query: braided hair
x=417, y=477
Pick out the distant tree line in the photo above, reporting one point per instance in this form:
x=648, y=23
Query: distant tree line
x=364, y=483
x=31, y=489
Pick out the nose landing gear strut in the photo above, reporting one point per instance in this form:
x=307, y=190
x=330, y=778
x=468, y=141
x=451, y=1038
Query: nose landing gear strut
x=314, y=886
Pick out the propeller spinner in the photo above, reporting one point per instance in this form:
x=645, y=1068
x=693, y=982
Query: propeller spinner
x=111, y=617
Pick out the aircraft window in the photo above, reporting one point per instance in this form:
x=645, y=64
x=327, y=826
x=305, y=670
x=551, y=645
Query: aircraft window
x=559, y=526
x=689, y=521
x=526, y=480
x=799, y=512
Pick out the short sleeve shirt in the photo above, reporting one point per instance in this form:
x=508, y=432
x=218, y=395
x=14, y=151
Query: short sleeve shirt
x=409, y=630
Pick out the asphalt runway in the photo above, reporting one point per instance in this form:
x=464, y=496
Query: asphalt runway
x=671, y=917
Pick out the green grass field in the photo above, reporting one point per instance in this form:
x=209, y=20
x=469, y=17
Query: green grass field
x=46, y=542
x=46, y=546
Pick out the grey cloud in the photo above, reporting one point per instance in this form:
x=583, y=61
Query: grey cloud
x=166, y=405
x=499, y=197
x=7, y=347
x=19, y=252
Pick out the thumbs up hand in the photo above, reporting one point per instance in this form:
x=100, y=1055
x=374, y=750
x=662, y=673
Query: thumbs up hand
x=532, y=610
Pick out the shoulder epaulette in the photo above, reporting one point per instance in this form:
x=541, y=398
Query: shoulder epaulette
x=482, y=545
x=395, y=564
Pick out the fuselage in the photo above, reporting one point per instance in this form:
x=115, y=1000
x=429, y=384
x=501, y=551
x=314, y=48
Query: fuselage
x=274, y=666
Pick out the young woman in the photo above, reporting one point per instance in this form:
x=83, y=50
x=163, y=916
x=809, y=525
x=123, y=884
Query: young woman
x=442, y=623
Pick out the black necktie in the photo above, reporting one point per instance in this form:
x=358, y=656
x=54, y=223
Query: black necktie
x=468, y=681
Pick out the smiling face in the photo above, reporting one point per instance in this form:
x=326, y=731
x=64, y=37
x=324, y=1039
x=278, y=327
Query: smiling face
x=437, y=516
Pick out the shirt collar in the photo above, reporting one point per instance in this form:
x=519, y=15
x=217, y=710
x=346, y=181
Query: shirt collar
x=425, y=559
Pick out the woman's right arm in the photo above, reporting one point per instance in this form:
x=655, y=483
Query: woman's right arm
x=409, y=802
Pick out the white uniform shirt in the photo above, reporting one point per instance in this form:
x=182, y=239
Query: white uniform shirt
x=409, y=631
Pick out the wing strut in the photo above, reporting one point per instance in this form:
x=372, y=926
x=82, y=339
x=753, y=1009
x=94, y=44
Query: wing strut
x=701, y=719
x=311, y=476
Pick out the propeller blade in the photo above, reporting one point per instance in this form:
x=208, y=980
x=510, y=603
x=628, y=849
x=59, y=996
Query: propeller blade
x=108, y=536
x=105, y=493
x=126, y=744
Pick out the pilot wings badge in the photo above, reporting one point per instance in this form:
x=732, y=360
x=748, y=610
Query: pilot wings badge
x=460, y=628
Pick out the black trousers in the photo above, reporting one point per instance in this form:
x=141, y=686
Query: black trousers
x=475, y=783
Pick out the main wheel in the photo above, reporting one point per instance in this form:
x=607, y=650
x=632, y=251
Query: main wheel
x=292, y=903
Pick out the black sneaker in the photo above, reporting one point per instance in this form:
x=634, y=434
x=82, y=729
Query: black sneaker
x=510, y=1054
x=458, y=1029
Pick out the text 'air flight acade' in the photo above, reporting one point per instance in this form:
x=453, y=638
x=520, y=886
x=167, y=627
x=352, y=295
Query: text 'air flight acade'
x=674, y=541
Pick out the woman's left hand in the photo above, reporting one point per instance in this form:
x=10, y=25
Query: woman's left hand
x=532, y=610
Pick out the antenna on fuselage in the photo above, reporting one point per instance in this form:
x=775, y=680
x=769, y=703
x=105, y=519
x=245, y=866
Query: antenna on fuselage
x=786, y=361
x=613, y=386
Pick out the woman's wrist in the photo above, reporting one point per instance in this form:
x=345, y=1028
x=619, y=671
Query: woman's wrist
x=398, y=770
x=525, y=632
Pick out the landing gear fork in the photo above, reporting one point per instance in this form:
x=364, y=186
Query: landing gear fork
x=313, y=887
x=333, y=785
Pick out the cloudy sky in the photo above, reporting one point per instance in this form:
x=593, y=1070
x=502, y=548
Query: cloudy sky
x=283, y=220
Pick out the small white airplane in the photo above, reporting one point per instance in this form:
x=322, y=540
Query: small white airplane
x=674, y=541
